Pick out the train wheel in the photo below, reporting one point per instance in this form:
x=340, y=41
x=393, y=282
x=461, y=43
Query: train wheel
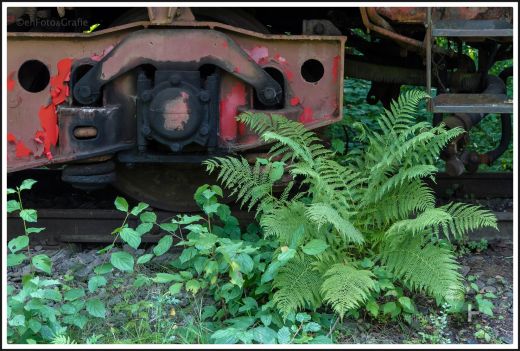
x=171, y=187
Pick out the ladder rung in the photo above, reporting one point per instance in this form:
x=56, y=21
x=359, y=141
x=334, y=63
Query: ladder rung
x=472, y=28
x=471, y=103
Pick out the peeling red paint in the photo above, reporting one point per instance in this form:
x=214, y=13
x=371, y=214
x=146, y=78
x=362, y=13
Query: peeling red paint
x=10, y=81
x=280, y=59
x=22, y=150
x=224, y=44
x=259, y=54
x=306, y=115
x=228, y=111
x=105, y=52
x=335, y=66
x=49, y=123
x=236, y=69
x=289, y=74
x=59, y=89
x=11, y=138
x=295, y=101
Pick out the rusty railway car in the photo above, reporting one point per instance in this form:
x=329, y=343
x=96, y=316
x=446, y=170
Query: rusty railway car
x=143, y=99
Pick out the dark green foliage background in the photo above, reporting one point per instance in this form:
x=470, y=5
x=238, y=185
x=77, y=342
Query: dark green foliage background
x=483, y=137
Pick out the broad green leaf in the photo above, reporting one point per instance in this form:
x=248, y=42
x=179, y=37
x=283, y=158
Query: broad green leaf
x=122, y=261
x=96, y=308
x=236, y=278
x=74, y=294
x=121, y=204
x=51, y=294
x=78, y=320
x=175, y=288
x=11, y=191
x=315, y=247
x=163, y=245
x=485, y=306
x=286, y=254
x=206, y=241
x=141, y=280
x=148, y=217
x=302, y=317
x=144, y=258
x=373, y=308
x=104, y=268
x=12, y=205
x=193, y=286
x=144, y=228
x=338, y=145
x=225, y=336
x=407, y=303
x=284, y=336
x=27, y=184
x=17, y=320
x=15, y=259
x=18, y=243
x=29, y=215
x=43, y=263
x=95, y=282
x=188, y=254
x=131, y=237
x=34, y=325
x=264, y=335
x=166, y=278
x=169, y=227
x=266, y=319
x=139, y=208
x=34, y=230
x=311, y=327
x=210, y=208
x=277, y=171
x=245, y=262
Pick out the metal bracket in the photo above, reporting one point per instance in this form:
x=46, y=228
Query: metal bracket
x=188, y=49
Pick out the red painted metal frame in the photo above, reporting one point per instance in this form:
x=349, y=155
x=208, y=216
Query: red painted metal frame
x=33, y=117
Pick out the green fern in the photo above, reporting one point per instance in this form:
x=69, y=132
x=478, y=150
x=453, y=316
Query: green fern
x=346, y=288
x=298, y=286
x=424, y=266
x=373, y=204
x=62, y=340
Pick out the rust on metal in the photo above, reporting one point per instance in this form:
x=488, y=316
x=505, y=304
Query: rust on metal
x=284, y=53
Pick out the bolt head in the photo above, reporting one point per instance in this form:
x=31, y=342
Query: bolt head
x=175, y=147
x=204, y=96
x=175, y=79
x=84, y=91
x=204, y=130
x=269, y=93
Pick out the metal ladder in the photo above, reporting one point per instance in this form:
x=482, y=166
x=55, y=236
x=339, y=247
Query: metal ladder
x=465, y=103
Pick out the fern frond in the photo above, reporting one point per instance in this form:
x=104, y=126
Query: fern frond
x=401, y=202
x=251, y=185
x=345, y=287
x=466, y=218
x=298, y=286
x=423, y=266
x=62, y=339
x=431, y=218
x=283, y=222
x=321, y=213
